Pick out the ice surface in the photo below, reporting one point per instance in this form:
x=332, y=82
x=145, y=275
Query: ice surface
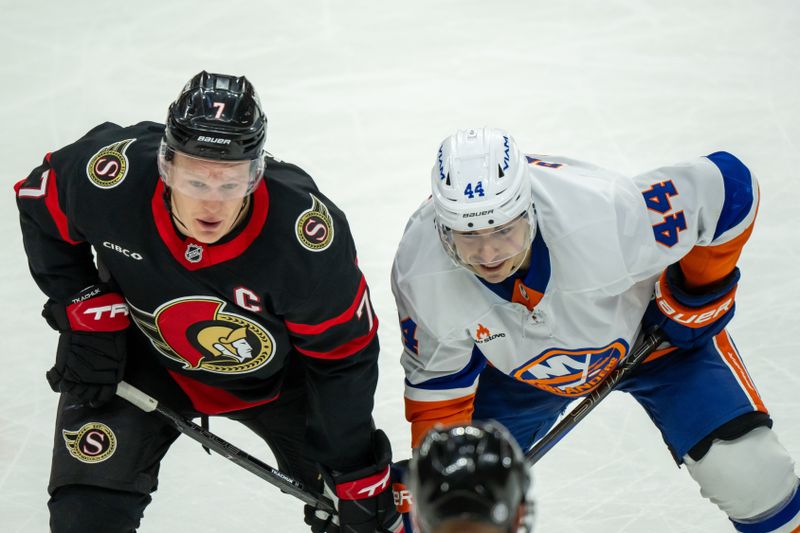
x=359, y=93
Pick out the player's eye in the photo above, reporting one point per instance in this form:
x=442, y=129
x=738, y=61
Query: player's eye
x=199, y=185
x=231, y=186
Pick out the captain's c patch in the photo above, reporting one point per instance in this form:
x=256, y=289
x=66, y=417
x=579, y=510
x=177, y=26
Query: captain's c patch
x=94, y=442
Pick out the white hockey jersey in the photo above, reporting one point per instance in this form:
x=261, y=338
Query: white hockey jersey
x=602, y=241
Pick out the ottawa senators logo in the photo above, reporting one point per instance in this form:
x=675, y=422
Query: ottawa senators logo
x=572, y=373
x=314, y=226
x=107, y=168
x=198, y=333
x=92, y=443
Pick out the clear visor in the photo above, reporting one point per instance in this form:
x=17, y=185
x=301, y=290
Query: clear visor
x=207, y=179
x=489, y=247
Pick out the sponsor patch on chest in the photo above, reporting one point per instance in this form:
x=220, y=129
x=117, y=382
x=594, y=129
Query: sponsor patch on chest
x=483, y=334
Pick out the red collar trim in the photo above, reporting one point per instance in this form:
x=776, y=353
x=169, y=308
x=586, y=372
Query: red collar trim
x=205, y=255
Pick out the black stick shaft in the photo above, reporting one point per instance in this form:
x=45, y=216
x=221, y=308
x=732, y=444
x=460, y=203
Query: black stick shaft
x=224, y=448
x=648, y=344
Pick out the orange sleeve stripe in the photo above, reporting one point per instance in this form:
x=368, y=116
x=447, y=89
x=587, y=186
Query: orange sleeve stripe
x=706, y=265
x=424, y=415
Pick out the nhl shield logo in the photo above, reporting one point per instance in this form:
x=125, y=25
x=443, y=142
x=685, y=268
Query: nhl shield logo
x=94, y=442
x=107, y=168
x=194, y=253
x=314, y=226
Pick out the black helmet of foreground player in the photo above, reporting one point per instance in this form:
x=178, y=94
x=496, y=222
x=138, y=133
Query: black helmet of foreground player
x=472, y=474
x=219, y=118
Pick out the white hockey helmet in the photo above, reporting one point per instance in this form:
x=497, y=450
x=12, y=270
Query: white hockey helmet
x=481, y=188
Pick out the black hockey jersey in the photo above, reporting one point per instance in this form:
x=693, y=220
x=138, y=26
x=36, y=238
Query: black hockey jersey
x=224, y=319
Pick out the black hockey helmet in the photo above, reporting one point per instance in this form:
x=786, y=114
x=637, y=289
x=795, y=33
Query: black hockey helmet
x=217, y=116
x=474, y=472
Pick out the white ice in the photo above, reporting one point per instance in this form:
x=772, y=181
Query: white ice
x=360, y=93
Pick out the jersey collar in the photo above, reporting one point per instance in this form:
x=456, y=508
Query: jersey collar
x=526, y=288
x=194, y=255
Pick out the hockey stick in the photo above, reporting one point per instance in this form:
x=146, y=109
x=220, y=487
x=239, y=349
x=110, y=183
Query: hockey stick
x=649, y=343
x=224, y=448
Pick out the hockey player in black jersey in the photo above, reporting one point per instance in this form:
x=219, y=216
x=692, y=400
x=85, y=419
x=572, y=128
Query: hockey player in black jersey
x=226, y=284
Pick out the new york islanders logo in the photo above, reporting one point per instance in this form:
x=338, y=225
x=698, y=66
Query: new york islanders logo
x=200, y=334
x=314, y=226
x=572, y=373
x=107, y=168
x=94, y=442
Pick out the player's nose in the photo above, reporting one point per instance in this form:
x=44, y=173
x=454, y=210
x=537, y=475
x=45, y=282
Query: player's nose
x=487, y=252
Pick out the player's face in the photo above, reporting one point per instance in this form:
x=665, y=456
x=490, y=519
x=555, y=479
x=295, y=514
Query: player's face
x=207, y=196
x=495, y=253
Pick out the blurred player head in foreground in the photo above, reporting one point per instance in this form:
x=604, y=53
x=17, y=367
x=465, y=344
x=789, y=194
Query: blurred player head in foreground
x=470, y=479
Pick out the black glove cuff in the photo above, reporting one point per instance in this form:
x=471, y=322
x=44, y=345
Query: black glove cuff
x=382, y=454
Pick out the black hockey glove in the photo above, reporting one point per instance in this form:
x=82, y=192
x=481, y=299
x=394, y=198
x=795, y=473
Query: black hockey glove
x=691, y=318
x=90, y=359
x=363, y=498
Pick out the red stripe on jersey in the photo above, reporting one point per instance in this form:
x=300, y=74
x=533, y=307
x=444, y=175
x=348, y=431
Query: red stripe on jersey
x=307, y=329
x=211, y=400
x=50, y=193
x=345, y=350
x=212, y=253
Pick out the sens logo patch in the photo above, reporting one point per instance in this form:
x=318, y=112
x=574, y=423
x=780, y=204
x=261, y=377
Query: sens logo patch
x=198, y=333
x=314, y=226
x=107, y=168
x=572, y=373
x=92, y=443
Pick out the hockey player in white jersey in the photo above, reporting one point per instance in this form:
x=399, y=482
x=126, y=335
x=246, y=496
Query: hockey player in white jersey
x=525, y=280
